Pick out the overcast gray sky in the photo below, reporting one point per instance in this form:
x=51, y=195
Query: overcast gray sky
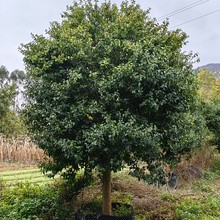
x=20, y=18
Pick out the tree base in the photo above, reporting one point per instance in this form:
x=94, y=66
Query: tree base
x=80, y=216
x=98, y=216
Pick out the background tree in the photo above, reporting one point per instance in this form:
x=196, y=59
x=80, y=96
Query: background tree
x=209, y=88
x=209, y=91
x=109, y=88
x=4, y=75
x=10, y=123
x=17, y=78
x=211, y=111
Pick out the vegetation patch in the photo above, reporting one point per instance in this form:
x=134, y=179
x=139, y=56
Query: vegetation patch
x=32, y=201
x=61, y=200
x=205, y=207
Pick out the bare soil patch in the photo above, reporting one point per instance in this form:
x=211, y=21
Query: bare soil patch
x=15, y=166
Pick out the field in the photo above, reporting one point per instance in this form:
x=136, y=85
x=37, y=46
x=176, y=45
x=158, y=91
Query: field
x=19, y=149
x=19, y=158
x=23, y=175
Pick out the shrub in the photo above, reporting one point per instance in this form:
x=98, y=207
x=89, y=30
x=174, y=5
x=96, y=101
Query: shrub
x=215, y=166
x=31, y=201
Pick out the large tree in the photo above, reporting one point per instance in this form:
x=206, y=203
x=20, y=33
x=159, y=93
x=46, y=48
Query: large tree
x=109, y=87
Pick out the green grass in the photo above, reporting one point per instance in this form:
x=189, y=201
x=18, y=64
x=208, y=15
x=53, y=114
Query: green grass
x=33, y=175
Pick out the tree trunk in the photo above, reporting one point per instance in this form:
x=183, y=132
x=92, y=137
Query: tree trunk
x=106, y=196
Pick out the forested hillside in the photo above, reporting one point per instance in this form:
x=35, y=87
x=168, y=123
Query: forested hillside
x=213, y=67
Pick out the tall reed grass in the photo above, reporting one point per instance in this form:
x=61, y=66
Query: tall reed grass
x=19, y=149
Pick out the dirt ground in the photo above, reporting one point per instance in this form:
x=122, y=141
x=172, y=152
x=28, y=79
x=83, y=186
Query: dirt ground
x=15, y=166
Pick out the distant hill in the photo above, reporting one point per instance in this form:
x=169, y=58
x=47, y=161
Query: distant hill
x=213, y=67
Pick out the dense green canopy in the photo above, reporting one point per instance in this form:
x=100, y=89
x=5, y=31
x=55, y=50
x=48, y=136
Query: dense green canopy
x=110, y=87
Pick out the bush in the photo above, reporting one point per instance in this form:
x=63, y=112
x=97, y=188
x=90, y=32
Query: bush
x=215, y=166
x=31, y=201
x=211, y=112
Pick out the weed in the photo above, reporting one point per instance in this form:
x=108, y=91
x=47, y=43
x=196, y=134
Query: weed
x=32, y=201
x=204, y=208
x=168, y=197
x=204, y=186
x=210, y=175
x=141, y=217
x=122, y=209
x=215, y=165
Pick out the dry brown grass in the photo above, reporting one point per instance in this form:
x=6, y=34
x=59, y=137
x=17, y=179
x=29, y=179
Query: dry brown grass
x=125, y=189
x=150, y=201
x=191, y=169
x=19, y=149
x=144, y=197
x=202, y=157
